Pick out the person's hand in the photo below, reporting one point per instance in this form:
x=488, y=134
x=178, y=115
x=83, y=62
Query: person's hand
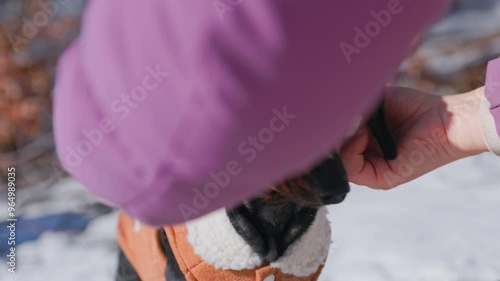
x=430, y=131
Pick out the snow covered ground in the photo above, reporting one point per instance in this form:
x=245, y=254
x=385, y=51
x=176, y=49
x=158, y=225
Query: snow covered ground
x=442, y=227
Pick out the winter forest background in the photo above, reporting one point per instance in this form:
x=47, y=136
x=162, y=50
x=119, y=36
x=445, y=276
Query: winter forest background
x=442, y=227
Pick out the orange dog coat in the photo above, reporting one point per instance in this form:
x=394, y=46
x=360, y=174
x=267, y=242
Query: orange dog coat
x=141, y=244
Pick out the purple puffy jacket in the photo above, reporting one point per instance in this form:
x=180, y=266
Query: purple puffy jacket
x=172, y=108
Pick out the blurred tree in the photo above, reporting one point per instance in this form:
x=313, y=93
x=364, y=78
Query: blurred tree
x=33, y=33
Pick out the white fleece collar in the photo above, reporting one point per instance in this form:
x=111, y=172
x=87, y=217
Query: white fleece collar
x=216, y=241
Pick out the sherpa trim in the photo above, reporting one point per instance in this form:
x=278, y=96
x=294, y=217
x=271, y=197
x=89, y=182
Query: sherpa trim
x=214, y=239
x=216, y=242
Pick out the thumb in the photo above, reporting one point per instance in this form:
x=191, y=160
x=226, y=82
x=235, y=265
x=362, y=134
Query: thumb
x=352, y=151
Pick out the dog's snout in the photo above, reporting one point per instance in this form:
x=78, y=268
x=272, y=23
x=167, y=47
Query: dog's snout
x=333, y=199
x=330, y=181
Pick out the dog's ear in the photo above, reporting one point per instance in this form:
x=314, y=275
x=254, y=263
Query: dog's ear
x=246, y=225
x=303, y=219
x=270, y=229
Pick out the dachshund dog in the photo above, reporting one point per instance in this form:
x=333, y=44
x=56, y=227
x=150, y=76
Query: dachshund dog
x=272, y=223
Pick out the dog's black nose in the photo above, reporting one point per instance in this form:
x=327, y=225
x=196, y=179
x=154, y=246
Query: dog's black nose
x=329, y=181
x=333, y=199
